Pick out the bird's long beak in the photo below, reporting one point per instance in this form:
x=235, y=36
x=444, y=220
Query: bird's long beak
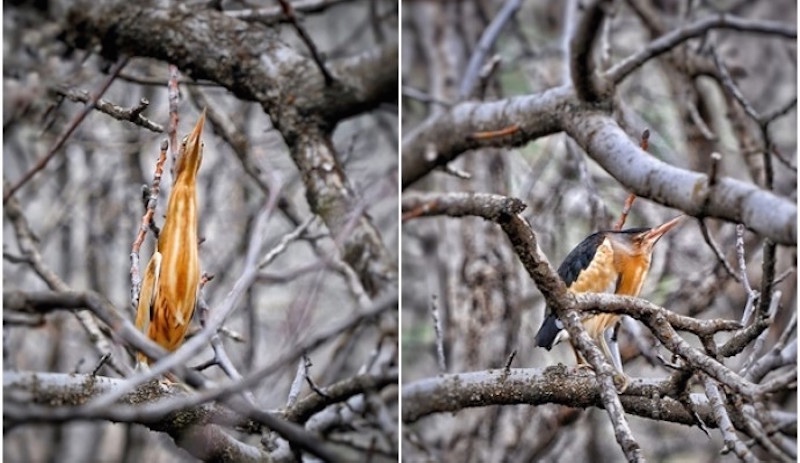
x=655, y=233
x=193, y=141
x=191, y=151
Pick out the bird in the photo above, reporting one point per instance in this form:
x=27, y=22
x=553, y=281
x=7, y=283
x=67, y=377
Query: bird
x=609, y=261
x=169, y=288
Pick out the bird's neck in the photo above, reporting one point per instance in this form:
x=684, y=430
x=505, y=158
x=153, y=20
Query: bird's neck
x=633, y=272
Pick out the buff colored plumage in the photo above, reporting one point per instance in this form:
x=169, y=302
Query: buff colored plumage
x=169, y=287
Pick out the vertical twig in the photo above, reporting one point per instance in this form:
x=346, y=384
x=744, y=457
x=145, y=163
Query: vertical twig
x=152, y=200
x=437, y=327
x=172, y=128
x=644, y=144
x=752, y=295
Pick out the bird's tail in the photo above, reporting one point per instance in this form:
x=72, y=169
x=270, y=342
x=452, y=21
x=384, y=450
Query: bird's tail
x=549, y=333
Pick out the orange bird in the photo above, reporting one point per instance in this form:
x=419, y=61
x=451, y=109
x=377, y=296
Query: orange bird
x=169, y=288
x=605, y=262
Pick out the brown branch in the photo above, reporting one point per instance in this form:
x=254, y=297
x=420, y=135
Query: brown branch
x=644, y=144
x=504, y=132
x=626, y=209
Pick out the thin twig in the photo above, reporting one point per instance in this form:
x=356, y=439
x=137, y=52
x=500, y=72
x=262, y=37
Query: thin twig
x=732, y=441
x=173, y=94
x=484, y=46
x=439, y=332
x=752, y=295
x=74, y=123
x=133, y=114
x=717, y=251
x=297, y=383
x=289, y=11
x=147, y=218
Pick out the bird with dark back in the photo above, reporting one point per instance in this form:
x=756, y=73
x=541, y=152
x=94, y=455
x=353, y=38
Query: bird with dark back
x=605, y=262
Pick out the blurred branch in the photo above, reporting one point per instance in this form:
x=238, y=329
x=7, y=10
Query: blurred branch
x=44, y=302
x=303, y=409
x=269, y=15
x=26, y=241
x=587, y=83
x=676, y=37
x=288, y=12
x=484, y=46
x=329, y=194
x=100, y=405
x=8, y=191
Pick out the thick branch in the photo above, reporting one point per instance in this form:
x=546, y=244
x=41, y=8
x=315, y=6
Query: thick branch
x=443, y=138
x=208, y=44
x=558, y=384
x=30, y=396
x=330, y=195
x=761, y=211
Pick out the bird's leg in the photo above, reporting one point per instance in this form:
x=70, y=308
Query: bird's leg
x=611, y=337
x=621, y=380
x=581, y=362
x=141, y=366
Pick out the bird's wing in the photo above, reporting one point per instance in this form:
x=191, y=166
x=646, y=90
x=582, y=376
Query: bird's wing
x=587, y=268
x=580, y=258
x=148, y=293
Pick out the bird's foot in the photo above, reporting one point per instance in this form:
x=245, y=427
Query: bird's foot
x=621, y=381
x=170, y=380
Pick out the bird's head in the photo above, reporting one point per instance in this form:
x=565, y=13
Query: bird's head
x=640, y=241
x=194, y=142
x=191, y=152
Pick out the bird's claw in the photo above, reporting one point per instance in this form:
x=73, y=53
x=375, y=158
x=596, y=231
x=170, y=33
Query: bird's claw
x=621, y=381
